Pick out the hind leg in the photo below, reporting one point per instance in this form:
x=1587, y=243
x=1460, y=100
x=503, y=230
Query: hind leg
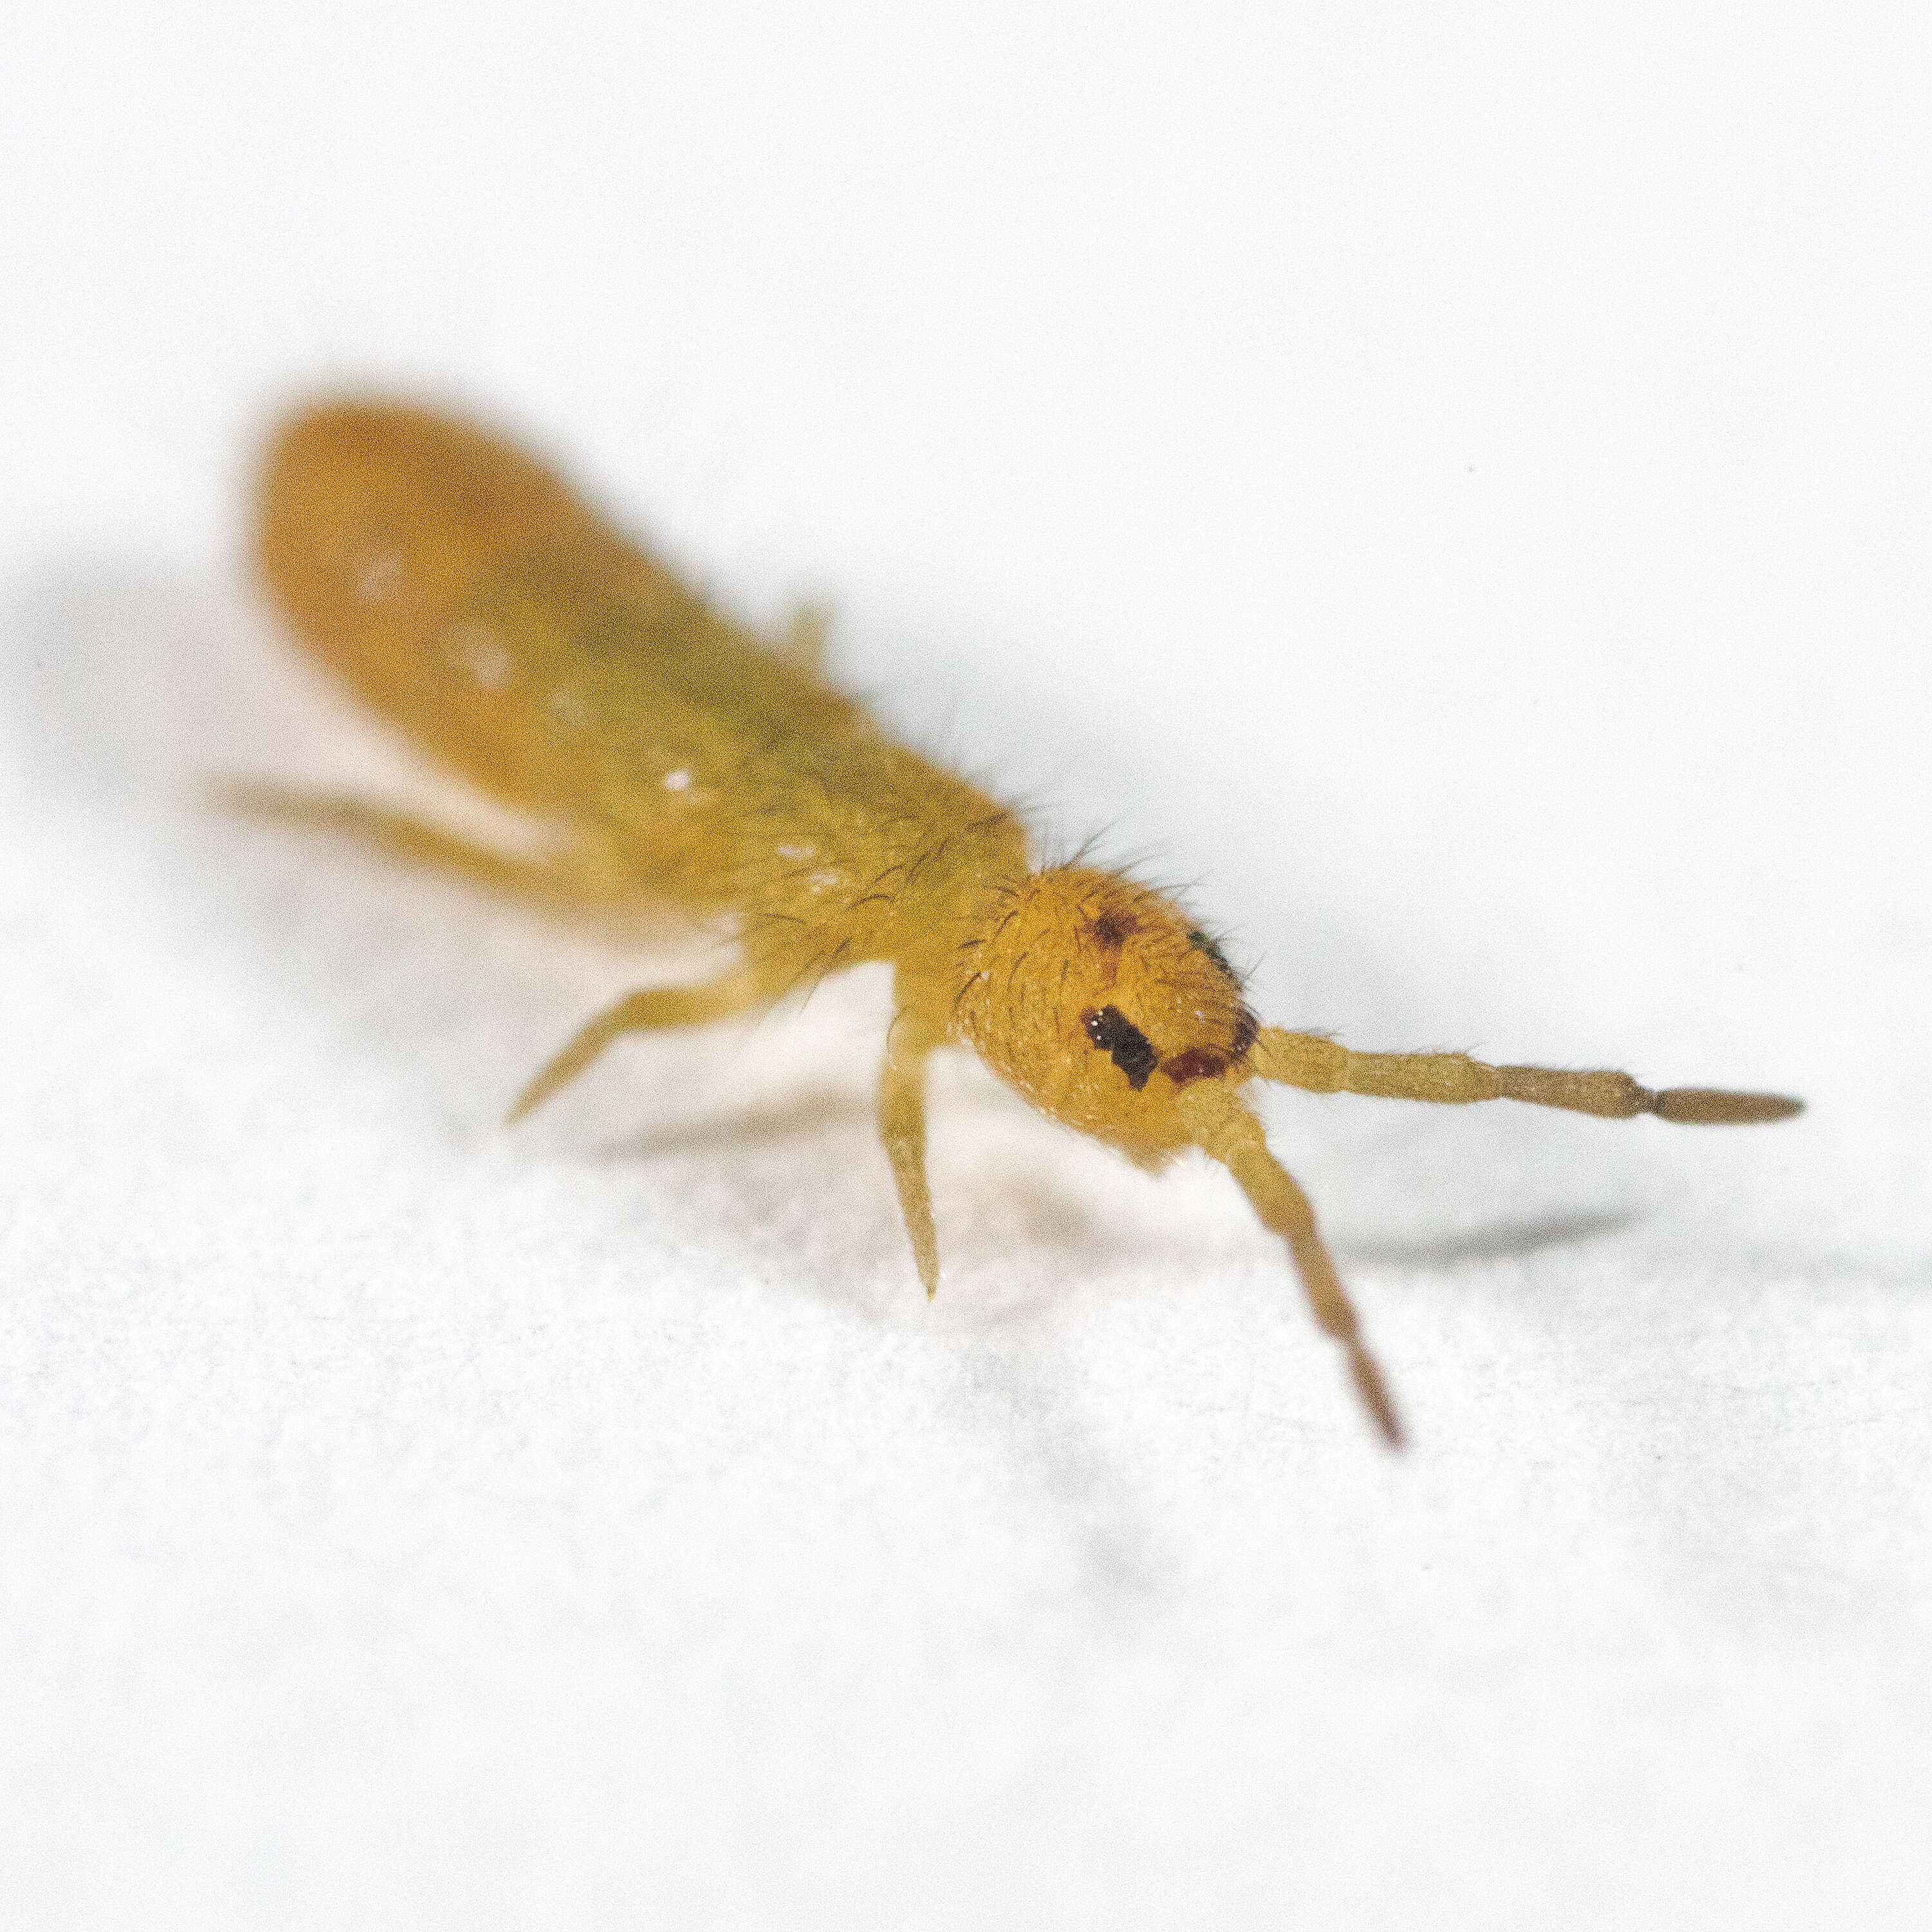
x=570, y=879
x=803, y=640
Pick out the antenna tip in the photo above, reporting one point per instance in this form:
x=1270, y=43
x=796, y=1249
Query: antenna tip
x=1375, y=1398
x=1709, y=1107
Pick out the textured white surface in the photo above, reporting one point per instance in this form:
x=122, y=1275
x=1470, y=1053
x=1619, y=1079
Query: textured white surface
x=1460, y=484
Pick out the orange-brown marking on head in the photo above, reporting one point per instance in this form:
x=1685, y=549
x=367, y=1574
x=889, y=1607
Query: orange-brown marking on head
x=1195, y=1063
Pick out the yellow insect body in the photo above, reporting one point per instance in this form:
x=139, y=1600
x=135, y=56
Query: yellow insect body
x=465, y=592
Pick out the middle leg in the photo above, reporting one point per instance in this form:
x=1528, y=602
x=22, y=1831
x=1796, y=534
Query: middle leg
x=736, y=992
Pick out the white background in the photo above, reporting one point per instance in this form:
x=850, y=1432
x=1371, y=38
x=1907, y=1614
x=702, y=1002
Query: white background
x=1457, y=482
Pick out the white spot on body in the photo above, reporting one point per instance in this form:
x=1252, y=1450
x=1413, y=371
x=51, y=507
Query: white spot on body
x=378, y=574
x=477, y=649
x=798, y=852
x=571, y=707
x=677, y=781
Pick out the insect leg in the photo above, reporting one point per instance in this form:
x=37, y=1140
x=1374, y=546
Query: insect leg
x=736, y=992
x=902, y=1128
x=1320, y=1065
x=803, y=640
x=1228, y=1132
x=571, y=879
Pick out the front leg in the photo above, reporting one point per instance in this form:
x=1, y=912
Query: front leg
x=902, y=1127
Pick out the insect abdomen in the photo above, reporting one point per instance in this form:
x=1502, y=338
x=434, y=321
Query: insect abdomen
x=387, y=534
x=471, y=598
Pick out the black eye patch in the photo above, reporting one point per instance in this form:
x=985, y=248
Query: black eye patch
x=1123, y=1043
x=1201, y=942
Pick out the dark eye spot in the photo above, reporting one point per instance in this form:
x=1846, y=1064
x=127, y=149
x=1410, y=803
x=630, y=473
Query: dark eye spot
x=1123, y=1043
x=1246, y=1027
x=1201, y=942
x=1110, y=929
